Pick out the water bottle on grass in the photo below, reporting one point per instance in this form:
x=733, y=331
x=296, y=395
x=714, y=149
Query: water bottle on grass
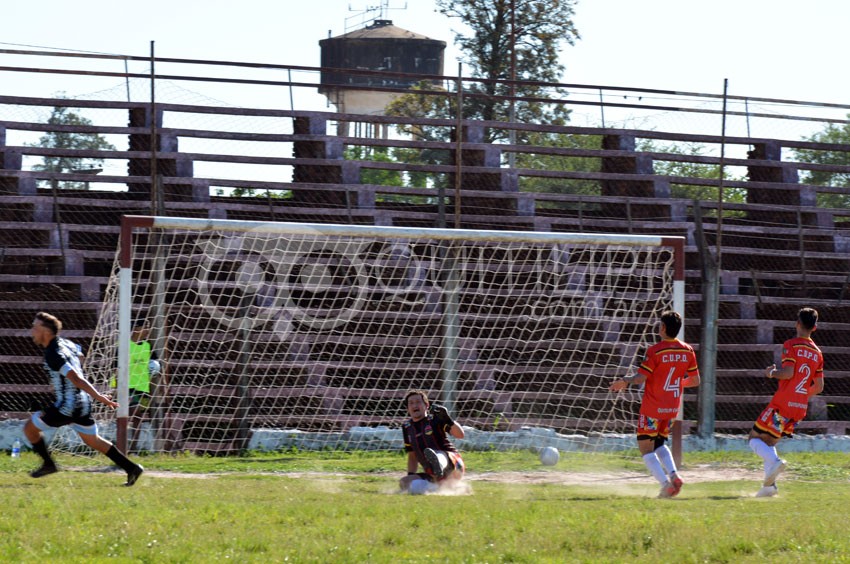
x=16, y=449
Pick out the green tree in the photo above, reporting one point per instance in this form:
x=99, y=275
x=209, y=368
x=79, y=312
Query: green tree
x=536, y=30
x=383, y=177
x=833, y=134
x=542, y=27
x=696, y=170
x=59, y=139
x=542, y=160
x=425, y=100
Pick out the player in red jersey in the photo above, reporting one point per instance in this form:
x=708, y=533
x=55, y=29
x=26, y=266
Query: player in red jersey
x=800, y=378
x=670, y=366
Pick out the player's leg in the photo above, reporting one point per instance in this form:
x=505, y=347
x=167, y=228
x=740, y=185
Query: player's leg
x=421, y=486
x=417, y=484
x=666, y=457
x=766, y=432
x=647, y=431
x=650, y=459
x=137, y=406
x=764, y=446
x=456, y=466
x=86, y=428
x=405, y=482
x=438, y=461
x=33, y=430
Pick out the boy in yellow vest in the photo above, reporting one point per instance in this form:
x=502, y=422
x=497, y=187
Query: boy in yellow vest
x=144, y=363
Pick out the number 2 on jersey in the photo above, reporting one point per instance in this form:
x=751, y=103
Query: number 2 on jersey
x=801, y=385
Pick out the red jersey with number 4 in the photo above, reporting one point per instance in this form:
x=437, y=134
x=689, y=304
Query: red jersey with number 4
x=667, y=364
x=792, y=397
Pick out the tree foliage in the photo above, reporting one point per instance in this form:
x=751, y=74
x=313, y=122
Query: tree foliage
x=536, y=30
x=541, y=29
x=382, y=177
x=690, y=169
x=833, y=134
x=70, y=140
x=540, y=160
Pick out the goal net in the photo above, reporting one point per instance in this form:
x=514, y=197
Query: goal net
x=277, y=335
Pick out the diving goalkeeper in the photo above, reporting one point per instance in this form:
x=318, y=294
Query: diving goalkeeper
x=426, y=440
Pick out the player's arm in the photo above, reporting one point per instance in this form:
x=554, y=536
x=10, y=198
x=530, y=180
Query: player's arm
x=412, y=463
x=86, y=386
x=691, y=380
x=784, y=373
x=442, y=417
x=626, y=381
x=816, y=387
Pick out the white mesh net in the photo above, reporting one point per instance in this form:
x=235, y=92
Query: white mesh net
x=270, y=338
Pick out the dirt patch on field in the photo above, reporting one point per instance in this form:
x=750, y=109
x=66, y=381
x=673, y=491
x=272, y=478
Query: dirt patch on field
x=692, y=474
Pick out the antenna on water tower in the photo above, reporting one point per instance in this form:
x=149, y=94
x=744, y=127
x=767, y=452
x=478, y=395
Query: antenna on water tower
x=364, y=14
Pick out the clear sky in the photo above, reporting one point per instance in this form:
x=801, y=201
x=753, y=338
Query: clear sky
x=766, y=48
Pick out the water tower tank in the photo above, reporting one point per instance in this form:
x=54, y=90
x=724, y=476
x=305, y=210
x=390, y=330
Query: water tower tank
x=380, y=46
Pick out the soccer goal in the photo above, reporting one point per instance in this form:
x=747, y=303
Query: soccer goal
x=273, y=335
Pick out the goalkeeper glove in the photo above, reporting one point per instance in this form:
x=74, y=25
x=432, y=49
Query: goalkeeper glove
x=441, y=416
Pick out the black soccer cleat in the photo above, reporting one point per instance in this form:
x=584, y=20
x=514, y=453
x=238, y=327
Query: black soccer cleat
x=45, y=470
x=434, y=462
x=133, y=475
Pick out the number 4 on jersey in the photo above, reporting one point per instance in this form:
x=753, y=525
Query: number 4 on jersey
x=671, y=385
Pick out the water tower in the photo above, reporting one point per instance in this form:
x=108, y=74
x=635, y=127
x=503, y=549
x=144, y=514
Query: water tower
x=380, y=46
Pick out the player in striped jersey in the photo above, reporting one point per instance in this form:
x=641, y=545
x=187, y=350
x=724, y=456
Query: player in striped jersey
x=670, y=366
x=73, y=400
x=800, y=377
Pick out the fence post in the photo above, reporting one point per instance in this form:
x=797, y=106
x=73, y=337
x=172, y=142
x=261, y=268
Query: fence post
x=707, y=390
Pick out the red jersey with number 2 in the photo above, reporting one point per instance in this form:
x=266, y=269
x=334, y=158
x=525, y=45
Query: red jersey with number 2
x=666, y=366
x=792, y=397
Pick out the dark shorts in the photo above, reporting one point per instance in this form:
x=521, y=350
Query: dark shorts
x=52, y=418
x=139, y=399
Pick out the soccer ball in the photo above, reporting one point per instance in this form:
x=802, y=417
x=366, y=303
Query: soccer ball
x=549, y=456
x=154, y=367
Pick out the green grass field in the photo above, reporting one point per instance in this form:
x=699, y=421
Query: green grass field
x=342, y=507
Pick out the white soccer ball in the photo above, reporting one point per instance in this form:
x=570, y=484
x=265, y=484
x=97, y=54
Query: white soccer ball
x=549, y=456
x=154, y=367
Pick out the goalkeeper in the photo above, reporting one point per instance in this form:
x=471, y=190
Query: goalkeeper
x=426, y=441
x=144, y=363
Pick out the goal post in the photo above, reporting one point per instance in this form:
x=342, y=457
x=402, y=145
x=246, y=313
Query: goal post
x=275, y=334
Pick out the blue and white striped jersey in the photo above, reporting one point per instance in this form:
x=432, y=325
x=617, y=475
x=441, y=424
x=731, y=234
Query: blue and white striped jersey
x=60, y=357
